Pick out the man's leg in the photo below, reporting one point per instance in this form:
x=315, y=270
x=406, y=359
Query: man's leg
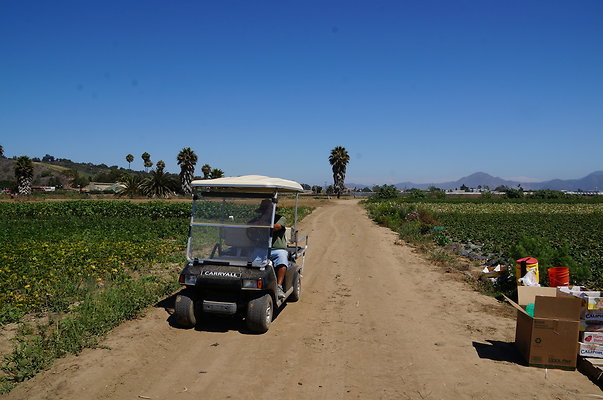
x=281, y=271
x=279, y=258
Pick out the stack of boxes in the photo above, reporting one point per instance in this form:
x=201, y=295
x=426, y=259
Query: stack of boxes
x=591, y=321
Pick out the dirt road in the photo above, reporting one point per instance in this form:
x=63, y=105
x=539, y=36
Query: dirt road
x=375, y=322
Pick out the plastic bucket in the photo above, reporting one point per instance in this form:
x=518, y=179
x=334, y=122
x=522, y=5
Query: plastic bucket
x=523, y=266
x=559, y=276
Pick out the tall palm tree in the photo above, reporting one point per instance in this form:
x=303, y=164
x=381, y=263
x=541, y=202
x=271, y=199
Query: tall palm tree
x=1, y=151
x=160, y=165
x=146, y=158
x=206, y=169
x=24, y=174
x=339, y=159
x=129, y=159
x=187, y=160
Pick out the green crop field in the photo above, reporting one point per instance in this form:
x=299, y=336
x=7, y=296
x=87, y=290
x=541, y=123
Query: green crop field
x=52, y=254
x=500, y=227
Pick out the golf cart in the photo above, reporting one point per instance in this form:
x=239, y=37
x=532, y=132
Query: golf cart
x=229, y=270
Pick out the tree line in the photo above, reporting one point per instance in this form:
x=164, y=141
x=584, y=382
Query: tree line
x=161, y=184
x=157, y=183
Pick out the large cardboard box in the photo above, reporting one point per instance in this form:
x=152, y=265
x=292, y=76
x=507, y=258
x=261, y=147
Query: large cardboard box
x=550, y=338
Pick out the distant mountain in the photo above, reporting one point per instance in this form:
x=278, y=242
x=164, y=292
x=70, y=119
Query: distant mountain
x=593, y=181
x=474, y=180
x=357, y=185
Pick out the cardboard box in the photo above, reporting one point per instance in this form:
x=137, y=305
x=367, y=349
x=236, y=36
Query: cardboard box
x=550, y=338
x=590, y=327
x=592, y=316
x=592, y=337
x=591, y=350
x=593, y=300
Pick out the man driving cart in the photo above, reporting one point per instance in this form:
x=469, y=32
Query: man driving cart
x=240, y=262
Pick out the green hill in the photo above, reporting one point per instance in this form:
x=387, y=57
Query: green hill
x=58, y=172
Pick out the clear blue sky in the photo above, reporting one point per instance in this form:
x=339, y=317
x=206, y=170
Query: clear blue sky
x=422, y=91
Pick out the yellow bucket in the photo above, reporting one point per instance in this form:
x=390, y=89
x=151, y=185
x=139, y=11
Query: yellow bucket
x=523, y=266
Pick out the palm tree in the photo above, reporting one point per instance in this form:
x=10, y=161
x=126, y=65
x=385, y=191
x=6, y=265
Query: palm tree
x=129, y=159
x=157, y=185
x=129, y=186
x=24, y=174
x=146, y=157
x=216, y=173
x=339, y=159
x=160, y=165
x=1, y=151
x=206, y=169
x=187, y=160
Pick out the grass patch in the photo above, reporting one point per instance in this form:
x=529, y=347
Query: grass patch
x=36, y=347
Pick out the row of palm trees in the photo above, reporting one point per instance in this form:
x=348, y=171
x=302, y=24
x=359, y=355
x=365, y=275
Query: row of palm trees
x=159, y=184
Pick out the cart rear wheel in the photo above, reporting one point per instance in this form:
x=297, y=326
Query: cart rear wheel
x=184, y=311
x=296, y=294
x=259, y=314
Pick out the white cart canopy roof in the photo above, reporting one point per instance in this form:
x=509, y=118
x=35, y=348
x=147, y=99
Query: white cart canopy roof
x=249, y=183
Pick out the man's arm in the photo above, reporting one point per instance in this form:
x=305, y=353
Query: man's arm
x=280, y=224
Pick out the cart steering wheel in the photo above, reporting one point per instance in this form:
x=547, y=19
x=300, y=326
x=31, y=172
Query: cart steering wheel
x=256, y=235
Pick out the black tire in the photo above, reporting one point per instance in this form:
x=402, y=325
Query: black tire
x=296, y=294
x=184, y=311
x=259, y=314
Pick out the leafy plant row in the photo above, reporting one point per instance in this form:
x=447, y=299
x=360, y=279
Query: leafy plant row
x=573, y=232
x=100, y=208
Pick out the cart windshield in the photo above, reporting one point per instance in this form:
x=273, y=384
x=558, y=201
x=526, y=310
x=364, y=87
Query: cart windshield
x=232, y=228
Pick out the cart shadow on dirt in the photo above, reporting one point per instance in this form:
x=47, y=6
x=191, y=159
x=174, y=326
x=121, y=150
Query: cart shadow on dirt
x=496, y=350
x=209, y=322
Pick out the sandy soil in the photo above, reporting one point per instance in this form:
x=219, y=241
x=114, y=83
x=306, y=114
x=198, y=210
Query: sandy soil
x=375, y=322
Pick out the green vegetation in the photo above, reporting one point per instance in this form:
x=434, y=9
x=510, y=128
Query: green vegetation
x=557, y=233
x=50, y=253
x=386, y=192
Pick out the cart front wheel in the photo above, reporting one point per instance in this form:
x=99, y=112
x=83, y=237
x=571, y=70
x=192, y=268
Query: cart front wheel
x=259, y=314
x=184, y=311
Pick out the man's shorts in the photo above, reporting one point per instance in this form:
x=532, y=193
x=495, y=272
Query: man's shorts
x=279, y=257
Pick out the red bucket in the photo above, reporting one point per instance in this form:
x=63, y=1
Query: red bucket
x=558, y=276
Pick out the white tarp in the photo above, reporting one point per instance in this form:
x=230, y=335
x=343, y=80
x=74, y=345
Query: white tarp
x=250, y=182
